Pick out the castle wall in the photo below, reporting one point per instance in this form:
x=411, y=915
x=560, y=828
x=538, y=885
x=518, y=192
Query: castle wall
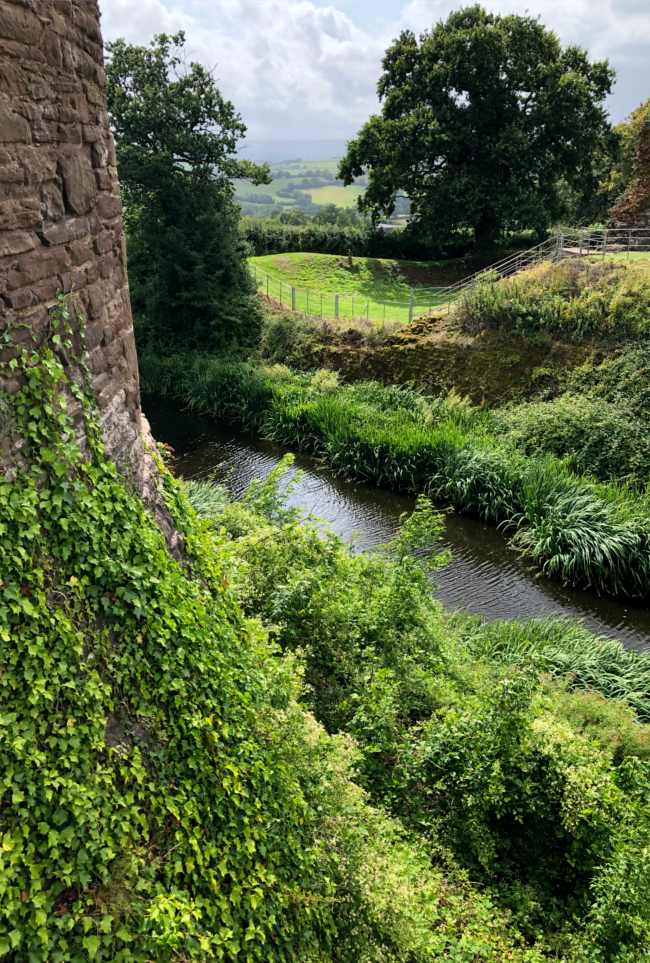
x=61, y=225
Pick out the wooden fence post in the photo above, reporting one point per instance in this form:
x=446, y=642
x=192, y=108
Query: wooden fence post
x=411, y=307
x=336, y=305
x=293, y=299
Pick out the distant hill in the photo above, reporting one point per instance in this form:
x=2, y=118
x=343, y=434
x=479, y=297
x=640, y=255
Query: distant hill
x=286, y=150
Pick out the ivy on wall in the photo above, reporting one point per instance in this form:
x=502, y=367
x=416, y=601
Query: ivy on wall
x=146, y=808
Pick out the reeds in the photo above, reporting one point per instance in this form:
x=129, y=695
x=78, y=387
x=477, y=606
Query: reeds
x=584, y=532
x=566, y=649
x=206, y=497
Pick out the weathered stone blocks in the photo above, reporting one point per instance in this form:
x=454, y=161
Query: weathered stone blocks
x=61, y=227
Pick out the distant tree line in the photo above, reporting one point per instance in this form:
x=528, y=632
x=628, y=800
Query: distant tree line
x=274, y=236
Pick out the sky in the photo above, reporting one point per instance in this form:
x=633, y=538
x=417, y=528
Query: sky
x=308, y=69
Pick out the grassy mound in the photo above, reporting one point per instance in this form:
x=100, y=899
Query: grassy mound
x=574, y=527
x=379, y=279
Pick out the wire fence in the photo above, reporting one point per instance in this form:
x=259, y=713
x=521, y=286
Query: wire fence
x=349, y=307
x=593, y=243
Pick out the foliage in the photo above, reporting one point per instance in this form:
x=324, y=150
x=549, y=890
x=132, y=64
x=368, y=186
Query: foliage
x=342, y=216
x=605, y=302
x=636, y=199
x=537, y=789
x=567, y=650
x=271, y=236
x=288, y=337
x=165, y=795
x=205, y=497
x=621, y=172
x=605, y=440
x=480, y=121
x=621, y=379
x=575, y=528
x=175, y=136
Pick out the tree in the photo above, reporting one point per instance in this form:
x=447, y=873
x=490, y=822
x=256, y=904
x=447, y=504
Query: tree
x=635, y=200
x=626, y=165
x=175, y=137
x=481, y=120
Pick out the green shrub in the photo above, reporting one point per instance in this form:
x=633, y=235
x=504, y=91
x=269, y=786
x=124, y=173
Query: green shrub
x=535, y=787
x=622, y=379
x=594, y=436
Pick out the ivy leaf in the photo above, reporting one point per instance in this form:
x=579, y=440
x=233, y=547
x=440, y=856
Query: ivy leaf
x=92, y=944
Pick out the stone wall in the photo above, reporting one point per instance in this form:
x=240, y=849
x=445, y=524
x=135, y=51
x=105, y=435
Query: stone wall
x=61, y=227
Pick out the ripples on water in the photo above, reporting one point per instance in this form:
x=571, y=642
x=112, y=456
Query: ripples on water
x=485, y=576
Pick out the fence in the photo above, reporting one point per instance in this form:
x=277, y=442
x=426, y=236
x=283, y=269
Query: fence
x=616, y=242
x=321, y=304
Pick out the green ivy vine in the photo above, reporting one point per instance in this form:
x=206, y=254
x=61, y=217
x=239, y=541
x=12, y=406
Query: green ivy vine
x=146, y=806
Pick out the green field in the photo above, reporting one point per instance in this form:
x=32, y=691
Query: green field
x=371, y=288
x=329, y=194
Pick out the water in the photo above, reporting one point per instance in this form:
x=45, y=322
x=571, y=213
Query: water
x=485, y=576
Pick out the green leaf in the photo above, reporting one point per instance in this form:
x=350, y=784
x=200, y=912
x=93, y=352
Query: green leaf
x=92, y=944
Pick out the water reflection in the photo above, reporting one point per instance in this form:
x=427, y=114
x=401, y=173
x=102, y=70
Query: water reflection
x=485, y=576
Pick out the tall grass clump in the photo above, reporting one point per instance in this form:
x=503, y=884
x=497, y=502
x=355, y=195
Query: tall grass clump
x=565, y=649
x=205, y=497
x=574, y=527
x=578, y=300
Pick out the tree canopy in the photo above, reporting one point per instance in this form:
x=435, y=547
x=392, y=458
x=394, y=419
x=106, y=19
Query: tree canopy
x=176, y=138
x=170, y=118
x=484, y=120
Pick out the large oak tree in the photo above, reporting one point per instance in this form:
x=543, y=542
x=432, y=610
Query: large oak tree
x=484, y=122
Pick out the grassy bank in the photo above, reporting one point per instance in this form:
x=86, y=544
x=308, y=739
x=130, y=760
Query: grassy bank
x=490, y=743
x=575, y=528
x=380, y=279
x=606, y=302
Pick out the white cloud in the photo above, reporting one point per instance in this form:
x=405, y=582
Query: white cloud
x=291, y=69
x=604, y=27
x=307, y=69
x=617, y=30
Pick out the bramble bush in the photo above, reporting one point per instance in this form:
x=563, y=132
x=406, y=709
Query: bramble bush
x=605, y=303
